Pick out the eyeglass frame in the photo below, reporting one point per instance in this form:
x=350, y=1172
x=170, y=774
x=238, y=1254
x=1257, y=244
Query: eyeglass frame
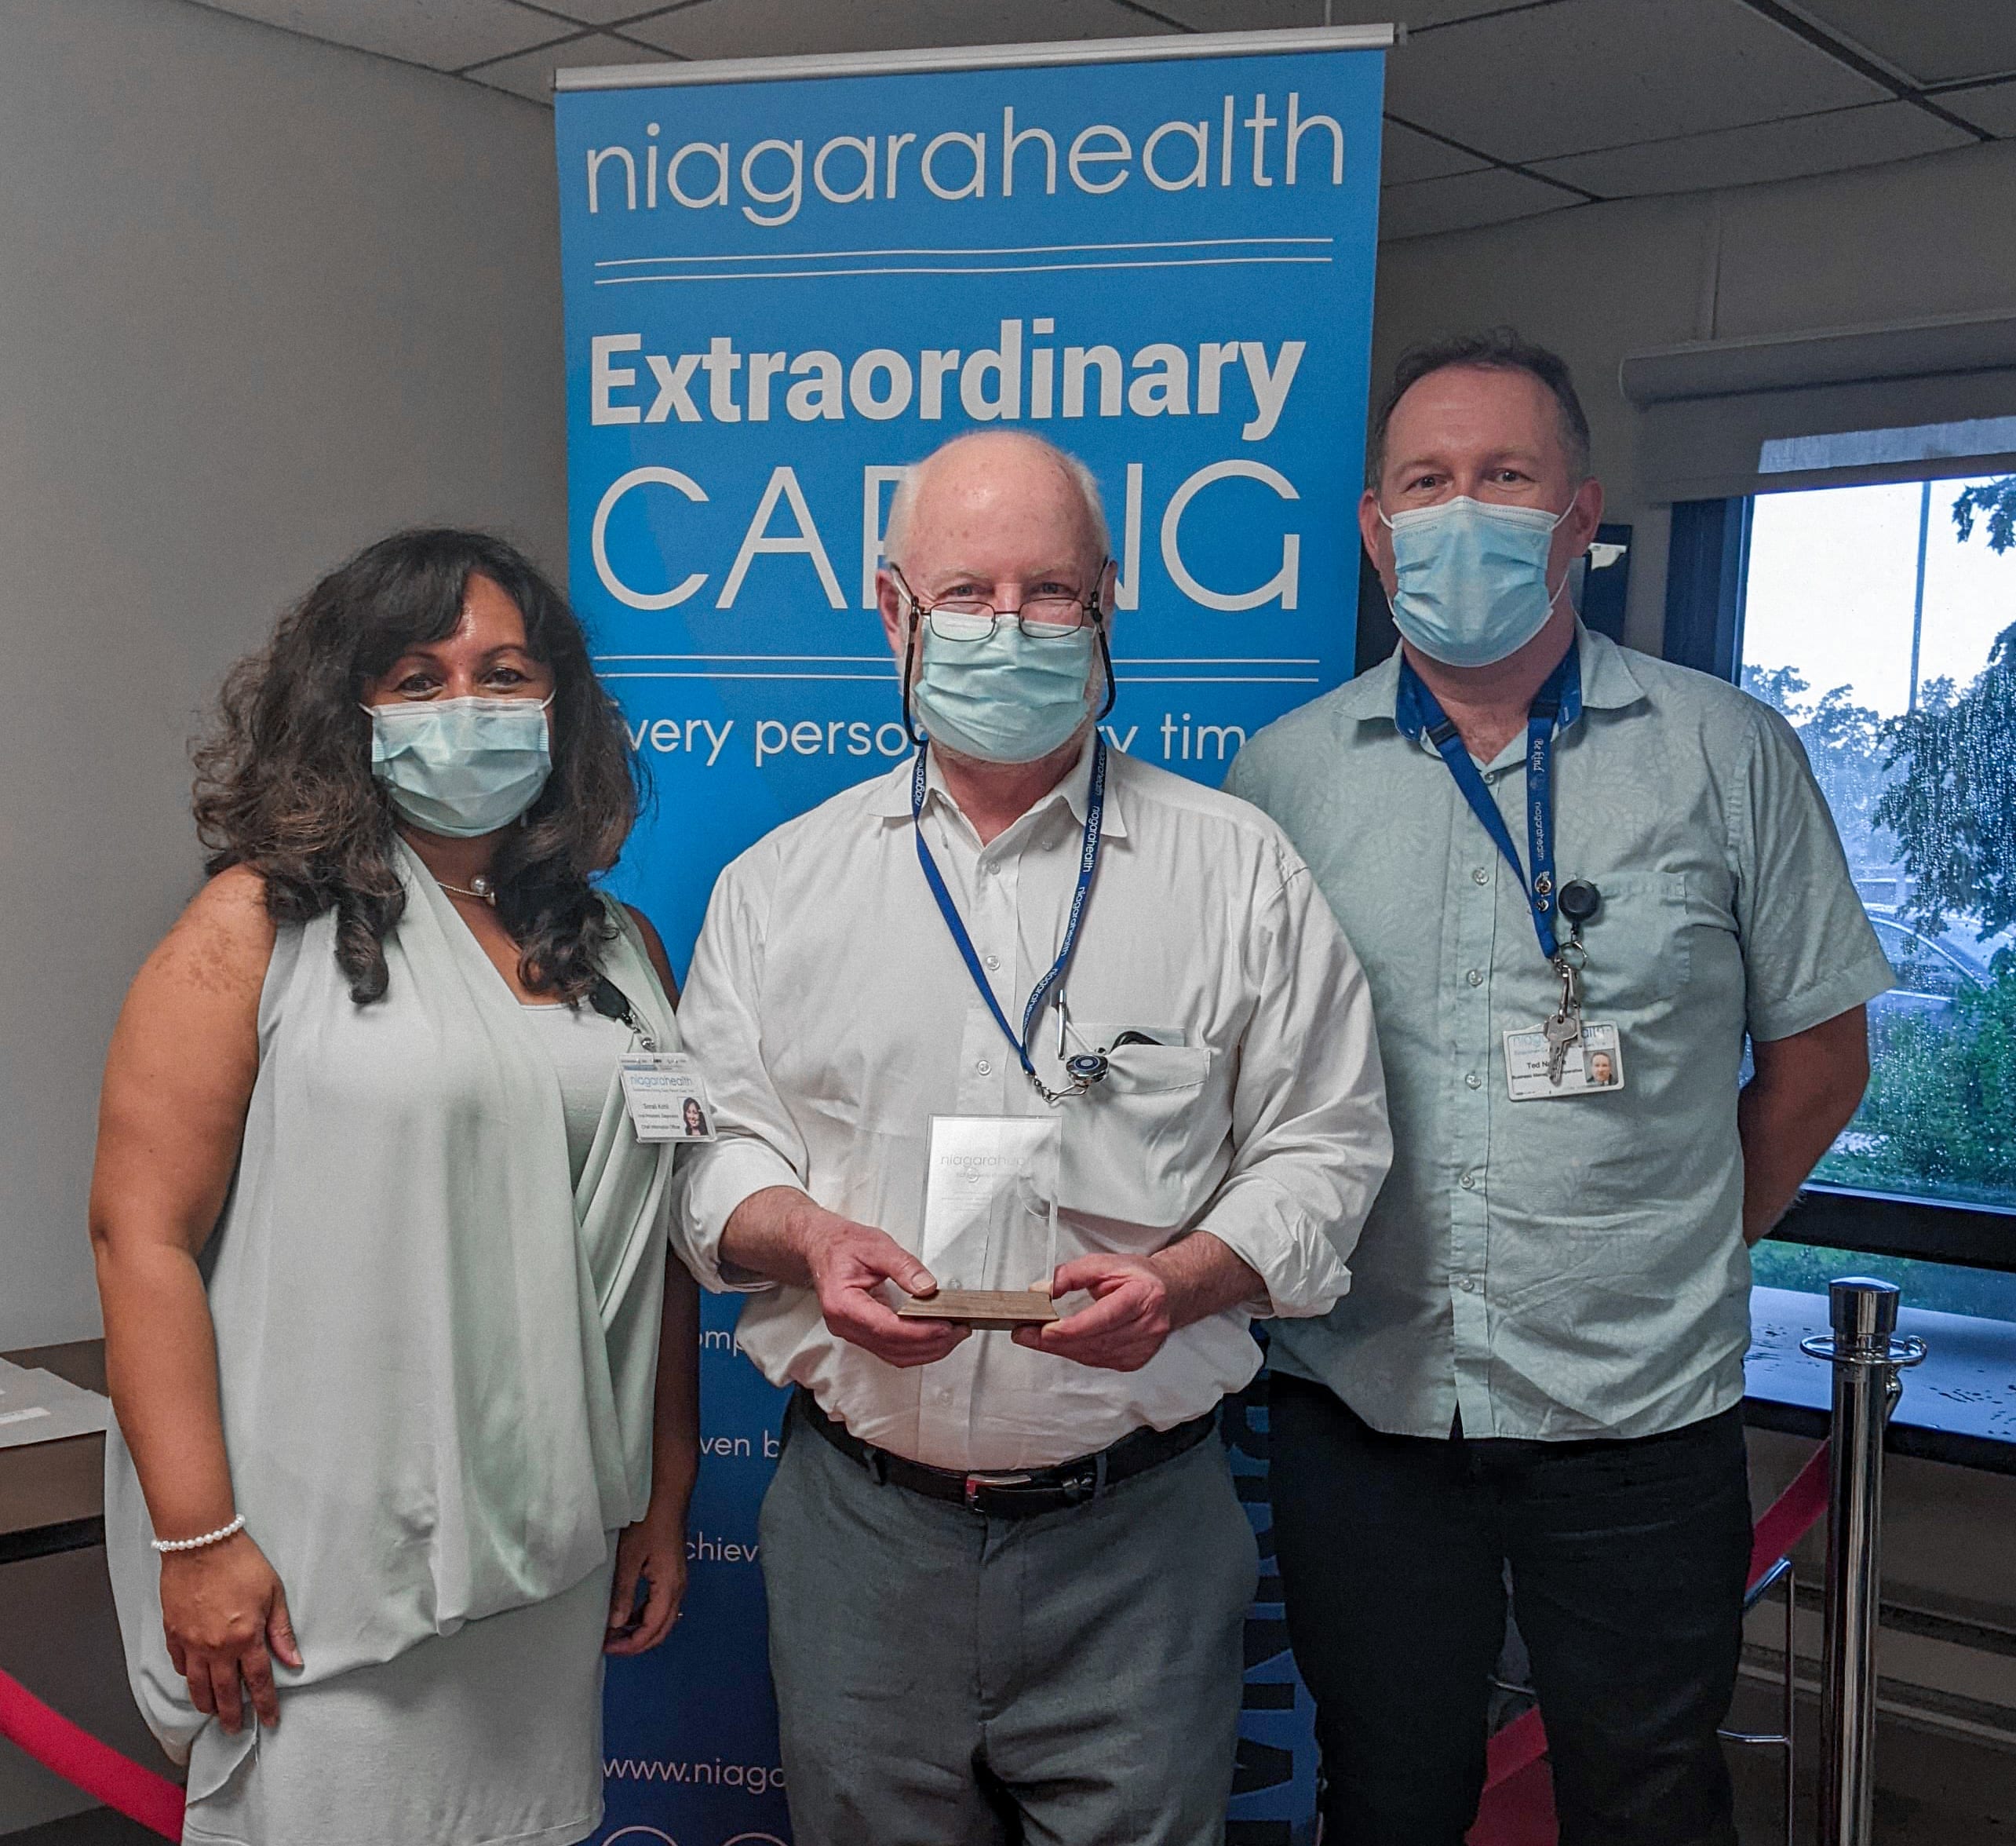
x=921, y=613
x=1088, y=606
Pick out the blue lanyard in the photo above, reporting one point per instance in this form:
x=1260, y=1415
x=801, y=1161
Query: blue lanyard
x=1557, y=705
x=1087, y=863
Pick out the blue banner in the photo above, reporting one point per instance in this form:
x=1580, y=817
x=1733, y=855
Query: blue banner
x=781, y=289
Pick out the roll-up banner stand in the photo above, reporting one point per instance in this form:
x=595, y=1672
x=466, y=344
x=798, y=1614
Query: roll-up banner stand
x=785, y=279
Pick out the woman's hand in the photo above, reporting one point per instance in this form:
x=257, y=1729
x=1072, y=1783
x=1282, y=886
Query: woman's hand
x=652, y=1552
x=226, y=1617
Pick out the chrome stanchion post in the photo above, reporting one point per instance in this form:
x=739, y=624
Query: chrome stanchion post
x=1865, y=1353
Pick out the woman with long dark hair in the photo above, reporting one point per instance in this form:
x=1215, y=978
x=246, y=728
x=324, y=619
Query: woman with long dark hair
x=405, y=1387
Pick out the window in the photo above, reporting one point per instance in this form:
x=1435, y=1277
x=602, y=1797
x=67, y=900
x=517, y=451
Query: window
x=1946, y=1288
x=1882, y=622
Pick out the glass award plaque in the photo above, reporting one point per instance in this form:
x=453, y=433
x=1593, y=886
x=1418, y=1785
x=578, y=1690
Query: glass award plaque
x=989, y=1220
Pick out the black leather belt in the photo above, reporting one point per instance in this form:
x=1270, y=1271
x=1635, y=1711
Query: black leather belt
x=1022, y=1493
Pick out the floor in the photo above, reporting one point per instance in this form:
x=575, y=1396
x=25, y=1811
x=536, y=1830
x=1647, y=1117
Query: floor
x=99, y=1826
x=1968, y=1798
x=1933, y=1788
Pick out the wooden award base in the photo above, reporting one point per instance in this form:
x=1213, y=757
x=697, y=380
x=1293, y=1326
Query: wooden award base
x=987, y=1310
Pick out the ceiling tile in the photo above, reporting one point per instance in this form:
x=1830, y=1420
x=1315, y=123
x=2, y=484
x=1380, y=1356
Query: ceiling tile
x=1406, y=156
x=607, y=13
x=1992, y=107
x=1766, y=151
x=1248, y=15
x=445, y=34
x=1255, y=15
x=1933, y=42
x=1584, y=73
x=1464, y=202
x=531, y=73
x=766, y=28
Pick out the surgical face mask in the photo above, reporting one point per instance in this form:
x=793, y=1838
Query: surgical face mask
x=462, y=767
x=1470, y=578
x=1006, y=699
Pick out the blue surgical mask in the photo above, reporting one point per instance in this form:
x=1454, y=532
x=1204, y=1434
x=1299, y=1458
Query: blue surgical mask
x=1470, y=578
x=1005, y=700
x=462, y=767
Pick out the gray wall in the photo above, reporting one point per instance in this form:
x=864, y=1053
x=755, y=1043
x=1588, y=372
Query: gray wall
x=261, y=300
x=1916, y=238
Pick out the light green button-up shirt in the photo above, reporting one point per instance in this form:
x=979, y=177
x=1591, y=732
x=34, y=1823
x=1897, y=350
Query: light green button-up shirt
x=1574, y=1267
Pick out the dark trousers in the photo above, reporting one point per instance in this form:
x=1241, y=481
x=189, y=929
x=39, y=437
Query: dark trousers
x=1627, y=1561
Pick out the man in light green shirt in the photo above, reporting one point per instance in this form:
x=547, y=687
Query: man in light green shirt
x=1577, y=877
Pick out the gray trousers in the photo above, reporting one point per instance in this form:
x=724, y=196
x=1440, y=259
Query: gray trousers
x=948, y=1679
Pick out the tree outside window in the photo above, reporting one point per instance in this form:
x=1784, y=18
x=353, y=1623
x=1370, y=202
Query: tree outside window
x=1901, y=602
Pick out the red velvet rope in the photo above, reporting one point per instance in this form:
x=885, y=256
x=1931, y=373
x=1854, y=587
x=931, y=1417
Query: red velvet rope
x=1518, y=1806
x=81, y=1760
x=1517, y=1810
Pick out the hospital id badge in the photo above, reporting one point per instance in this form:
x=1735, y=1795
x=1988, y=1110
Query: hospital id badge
x=1593, y=1067
x=665, y=1097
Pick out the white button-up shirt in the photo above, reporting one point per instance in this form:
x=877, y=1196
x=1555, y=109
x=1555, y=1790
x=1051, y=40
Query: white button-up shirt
x=833, y=1016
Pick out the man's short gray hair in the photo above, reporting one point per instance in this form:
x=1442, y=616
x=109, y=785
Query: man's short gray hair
x=1497, y=349
x=903, y=506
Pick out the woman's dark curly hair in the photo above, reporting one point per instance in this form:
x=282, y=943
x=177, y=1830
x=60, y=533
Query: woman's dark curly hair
x=284, y=782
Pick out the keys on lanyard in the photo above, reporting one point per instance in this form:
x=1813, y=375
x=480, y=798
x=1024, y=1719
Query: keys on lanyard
x=1579, y=901
x=1557, y=705
x=1084, y=1071
x=1563, y=1029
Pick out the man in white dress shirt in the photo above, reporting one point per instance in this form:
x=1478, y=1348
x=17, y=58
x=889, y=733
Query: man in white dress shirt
x=1008, y=1572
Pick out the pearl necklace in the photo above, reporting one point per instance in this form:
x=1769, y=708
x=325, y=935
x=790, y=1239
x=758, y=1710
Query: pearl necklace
x=478, y=887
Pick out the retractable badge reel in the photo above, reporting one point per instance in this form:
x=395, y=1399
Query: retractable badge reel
x=1579, y=901
x=1087, y=1067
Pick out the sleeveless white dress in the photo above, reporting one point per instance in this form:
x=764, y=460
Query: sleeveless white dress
x=437, y=1344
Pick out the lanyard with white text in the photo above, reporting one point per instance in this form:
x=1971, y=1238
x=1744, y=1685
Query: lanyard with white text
x=1087, y=863
x=1557, y=705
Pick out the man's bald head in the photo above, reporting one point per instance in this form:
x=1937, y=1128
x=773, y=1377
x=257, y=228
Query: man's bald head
x=989, y=474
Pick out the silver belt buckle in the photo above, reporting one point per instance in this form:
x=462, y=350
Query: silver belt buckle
x=975, y=1484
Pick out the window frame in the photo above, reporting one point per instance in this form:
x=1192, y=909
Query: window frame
x=1708, y=565
x=1897, y=1225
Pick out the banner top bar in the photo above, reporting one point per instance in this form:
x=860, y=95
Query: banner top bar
x=980, y=57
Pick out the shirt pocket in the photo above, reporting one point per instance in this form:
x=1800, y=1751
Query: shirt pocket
x=1136, y=1145
x=1638, y=943
x=1711, y=939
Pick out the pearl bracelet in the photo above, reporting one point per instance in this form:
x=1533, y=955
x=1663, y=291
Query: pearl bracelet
x=216, y=1538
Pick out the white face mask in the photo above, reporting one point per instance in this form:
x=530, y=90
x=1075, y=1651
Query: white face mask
x=1470, y=578
x=462, y=767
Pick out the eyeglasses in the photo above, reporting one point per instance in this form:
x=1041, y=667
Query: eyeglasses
x=1040, y=619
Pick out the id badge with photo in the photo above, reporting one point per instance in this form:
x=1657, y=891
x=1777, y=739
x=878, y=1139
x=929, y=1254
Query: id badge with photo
x=665, y=1097
x=1593, y=1067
